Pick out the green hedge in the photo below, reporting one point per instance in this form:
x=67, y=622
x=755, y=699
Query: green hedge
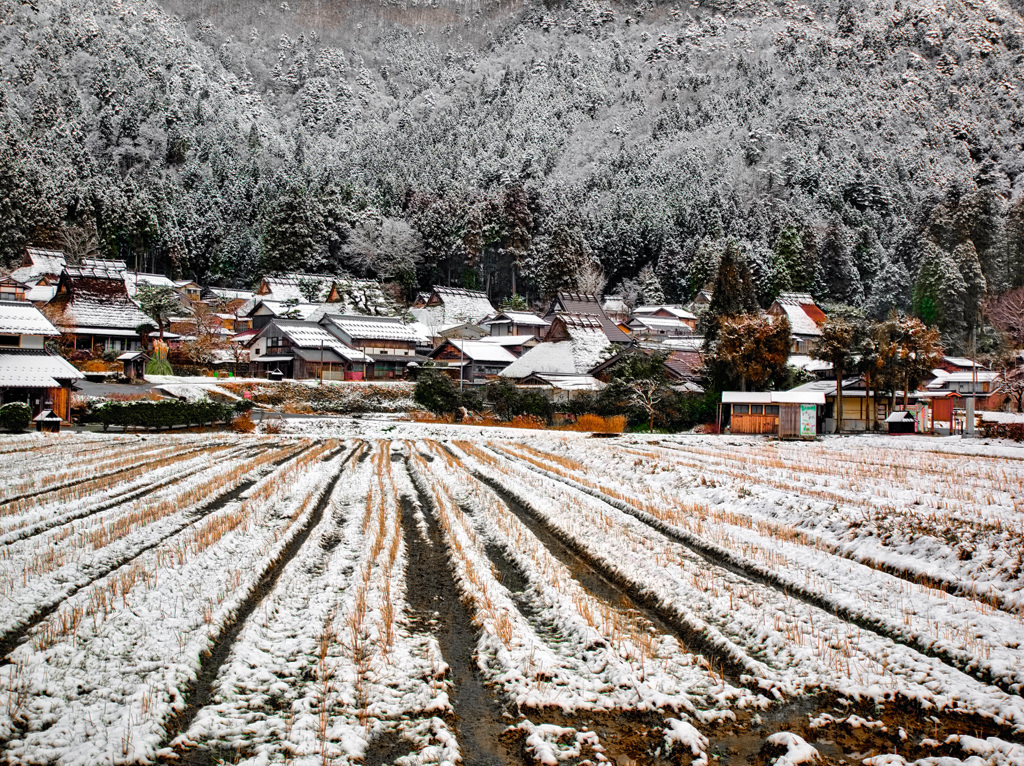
x=15, y=417
x=162, y=414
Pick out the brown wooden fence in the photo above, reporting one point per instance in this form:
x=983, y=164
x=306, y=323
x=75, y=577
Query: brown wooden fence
x=754, y=424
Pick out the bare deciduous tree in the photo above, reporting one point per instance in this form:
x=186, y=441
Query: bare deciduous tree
x=1006, y=313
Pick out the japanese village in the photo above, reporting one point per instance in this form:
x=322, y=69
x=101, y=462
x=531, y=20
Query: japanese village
x=529, y=382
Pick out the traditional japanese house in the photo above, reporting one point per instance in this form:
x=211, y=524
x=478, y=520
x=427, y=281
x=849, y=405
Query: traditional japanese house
x=574, y=344
x=516, y=323
x=582, y=304
x=805, y=319
x=38, y=263
x=390, y=342
x=92, y=306
x=666, y=311
x=11, y=289
x=517, y=345
x=304, y=350
x=471, y=360
x=656, y=327
x=453, y=305
x=28, y=373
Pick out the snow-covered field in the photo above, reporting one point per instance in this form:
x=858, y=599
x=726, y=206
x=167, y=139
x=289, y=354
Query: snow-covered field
x=368, y=591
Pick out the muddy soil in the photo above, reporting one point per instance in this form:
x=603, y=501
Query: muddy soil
x=435, y=608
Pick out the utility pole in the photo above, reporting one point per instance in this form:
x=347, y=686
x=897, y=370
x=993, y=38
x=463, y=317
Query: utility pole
x=321, y=362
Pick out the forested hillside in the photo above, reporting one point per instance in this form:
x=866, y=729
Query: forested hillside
x=869, y=151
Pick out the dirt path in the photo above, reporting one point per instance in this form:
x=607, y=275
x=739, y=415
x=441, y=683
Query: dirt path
x=435, y=608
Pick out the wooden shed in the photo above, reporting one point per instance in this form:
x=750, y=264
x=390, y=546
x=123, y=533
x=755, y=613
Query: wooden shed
x=786, y=414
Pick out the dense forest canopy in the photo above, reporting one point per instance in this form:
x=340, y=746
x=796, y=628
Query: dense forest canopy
x=868, y=151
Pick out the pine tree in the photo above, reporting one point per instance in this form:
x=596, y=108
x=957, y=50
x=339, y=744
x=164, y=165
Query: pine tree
x=732, y=292
x=841, y=278
x=890, y=291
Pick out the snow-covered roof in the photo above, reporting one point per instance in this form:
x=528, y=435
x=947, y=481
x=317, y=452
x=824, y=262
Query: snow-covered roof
x=583, y=304
x=455, y=304
x=132, y=281
x=675, y=311
x=22, y=318
x=803, y=314
x=229, y=293
x=798, y=395
x=661, y=323
x=302, y=311
x=961, y=361
x=291, y=287
x=508, y=340
x=518, y=317
x=584, y=351
x=373, y=328
x=569, y=382
x=96, y=299
x=104, y=263
x=40, y=293
x=39, y=262
x=20, y=369
x=615, y=304
x=982, y=376
x=807, y=363
x=479, y=351
x=799, y=322
x=304, y=334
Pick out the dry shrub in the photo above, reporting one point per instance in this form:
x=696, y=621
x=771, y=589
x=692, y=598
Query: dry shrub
x=271, y=427
x=142, y=396
x=243, y=424
x=612, y=424
x=296, y=408
x=1013, y=431
x=422, y=416
x=706, y=428
x=98, y=365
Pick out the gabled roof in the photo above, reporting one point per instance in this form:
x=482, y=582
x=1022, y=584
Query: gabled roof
x=508, y=340
x=360, y=327
x=22, y=318
x=277, y=308
x=803, y=314
x=982, y=376
x=302, y=334
x=228, y=293
x=104, y=263
x=675, y=311
x=585, y=348
x=478, y=351
x=286, y=287
x=565, y=382
x=660, y=323
x=583, y=303
x=39, y=262
x=132, y=280
x=90, y=299
x=518, y=317
x=449, y=305
x=34, y=369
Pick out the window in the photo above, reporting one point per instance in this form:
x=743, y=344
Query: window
x=9, y=341
x=771, y=409
x=740, y=409
x=756, y=409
